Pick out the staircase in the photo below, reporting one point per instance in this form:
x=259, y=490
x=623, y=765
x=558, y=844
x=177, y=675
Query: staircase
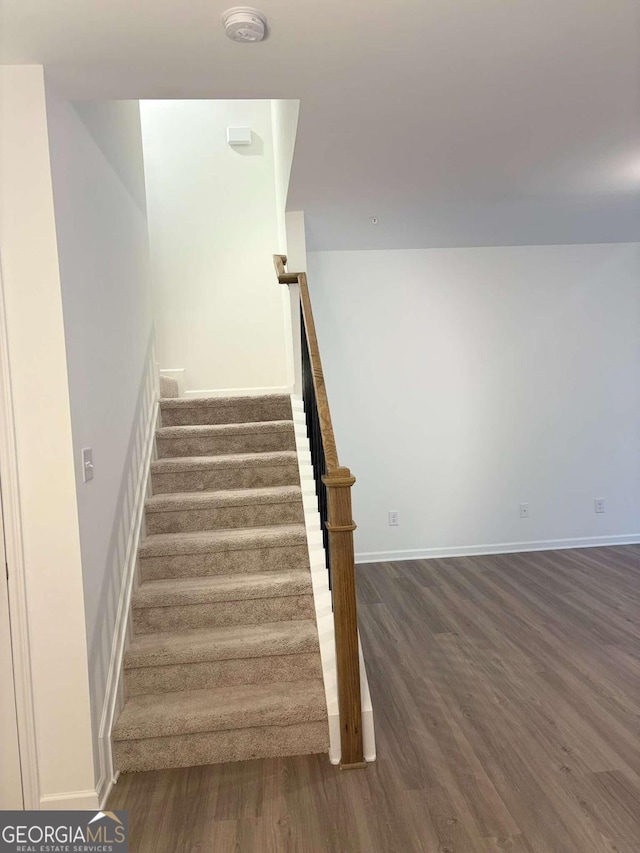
x=224, y=662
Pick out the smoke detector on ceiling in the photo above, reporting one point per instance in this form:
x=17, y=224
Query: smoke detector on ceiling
x=242, y=23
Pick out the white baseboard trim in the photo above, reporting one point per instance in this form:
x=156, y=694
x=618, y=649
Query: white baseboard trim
x=105, y=787
x=113, y=691
x=240, y=392
x=496, y=548
x=71, y=800
x=322, y=601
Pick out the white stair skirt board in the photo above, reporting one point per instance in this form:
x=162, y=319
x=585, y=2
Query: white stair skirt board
x=114, y=692
x=322, y=600
x=497, y=548
x=239, y=392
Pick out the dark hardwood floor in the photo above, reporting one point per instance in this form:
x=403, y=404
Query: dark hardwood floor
x=506, y=692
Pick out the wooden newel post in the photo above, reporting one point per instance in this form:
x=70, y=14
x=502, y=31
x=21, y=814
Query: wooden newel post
x=340, y=527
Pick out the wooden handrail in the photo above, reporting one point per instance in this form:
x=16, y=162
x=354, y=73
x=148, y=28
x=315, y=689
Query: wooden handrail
x=340, y=526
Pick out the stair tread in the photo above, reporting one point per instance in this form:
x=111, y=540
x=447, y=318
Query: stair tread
x=196, y=430
x=222, y=402
x=211, y=644
x=230, y=460
x=174, y=592
x=221, y=708
x=224, y=539
x=180, y=501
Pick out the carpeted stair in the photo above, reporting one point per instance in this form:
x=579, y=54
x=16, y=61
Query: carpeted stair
x=224, y=662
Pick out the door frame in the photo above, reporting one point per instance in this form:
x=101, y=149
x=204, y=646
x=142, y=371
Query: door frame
x=18, y=594
x=11, y=794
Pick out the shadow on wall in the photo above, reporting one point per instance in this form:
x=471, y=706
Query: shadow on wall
x=123, y=151
x=255, y=149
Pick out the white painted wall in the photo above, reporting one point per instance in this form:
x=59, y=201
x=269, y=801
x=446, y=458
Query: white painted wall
x=463, y=382
x=44, y=506
x=98, y=186
x=213, y=228
x=284, y=123
x=297, y=256
x=296, y=250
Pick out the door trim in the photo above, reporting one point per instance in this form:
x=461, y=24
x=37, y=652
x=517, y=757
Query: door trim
x=17, y=576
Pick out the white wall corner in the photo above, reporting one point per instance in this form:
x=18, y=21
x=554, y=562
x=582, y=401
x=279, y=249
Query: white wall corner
x=292, y=308
x=296, y=262
x=284, y=128
x=291, y=349
x=296, y=241
x=290, y=296
x=284, y=124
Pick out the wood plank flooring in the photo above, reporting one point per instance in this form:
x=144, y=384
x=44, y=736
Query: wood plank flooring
x=506, y=692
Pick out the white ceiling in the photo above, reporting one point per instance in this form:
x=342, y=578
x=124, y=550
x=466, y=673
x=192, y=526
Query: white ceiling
x=456, y=122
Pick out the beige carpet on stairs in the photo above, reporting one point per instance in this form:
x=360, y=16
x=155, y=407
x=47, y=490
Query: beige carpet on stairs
x=224, y=662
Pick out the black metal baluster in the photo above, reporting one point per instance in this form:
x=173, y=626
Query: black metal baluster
x=315, y=440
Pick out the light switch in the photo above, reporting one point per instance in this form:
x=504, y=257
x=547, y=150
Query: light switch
x=87, y=464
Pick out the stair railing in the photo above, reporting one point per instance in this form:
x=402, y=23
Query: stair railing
x=333, y=488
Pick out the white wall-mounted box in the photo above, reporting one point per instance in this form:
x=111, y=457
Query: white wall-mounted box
x=239, y=135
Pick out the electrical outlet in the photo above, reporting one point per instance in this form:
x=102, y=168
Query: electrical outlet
x=394, y=518
x=524, y=510
x=598, y=505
